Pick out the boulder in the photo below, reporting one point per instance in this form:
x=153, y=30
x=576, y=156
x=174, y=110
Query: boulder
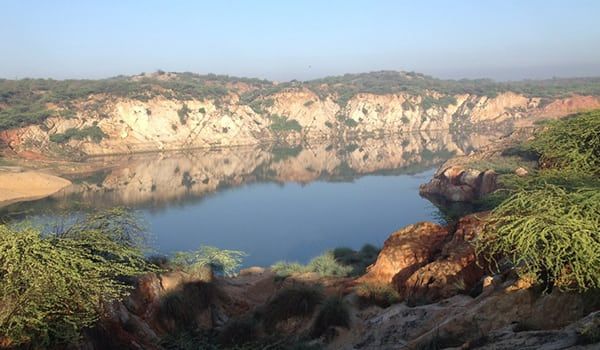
x=521, y=172
x=405, y=251
x=456, y=269
x=458, y=184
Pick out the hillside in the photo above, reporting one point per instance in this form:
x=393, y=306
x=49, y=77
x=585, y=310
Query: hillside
x=160, y=111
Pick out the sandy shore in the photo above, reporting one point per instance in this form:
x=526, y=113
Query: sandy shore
x=29, y=185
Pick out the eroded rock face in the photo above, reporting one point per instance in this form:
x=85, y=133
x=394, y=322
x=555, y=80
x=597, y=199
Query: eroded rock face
x=405, y=251
x=132, y=125
x=459, y=184
x=455, y=270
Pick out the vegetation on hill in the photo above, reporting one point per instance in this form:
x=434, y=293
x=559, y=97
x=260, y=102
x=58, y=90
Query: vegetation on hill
x=27, y=101
x=548, y=223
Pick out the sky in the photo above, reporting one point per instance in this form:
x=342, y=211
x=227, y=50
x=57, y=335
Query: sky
x=292, y=39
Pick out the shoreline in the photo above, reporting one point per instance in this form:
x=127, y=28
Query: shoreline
x=27, y=186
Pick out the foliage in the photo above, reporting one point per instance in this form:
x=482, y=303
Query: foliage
x=333, y=313
x=93, y=133
x=547, y=224
x=53, y=285
x=282, y=153
x=549, y=233
x=222, y=261
x=183, y=114
x=295, y=301
x=571, y=144
x=183, y=304
x=280, y=123
x=327, y=265
x=340, y=262
x=239, y=331
x=380, y=294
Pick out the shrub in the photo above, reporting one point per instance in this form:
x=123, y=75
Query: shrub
x=53, y=285
x=183, y=304
x=405, y=119
x=285, y=269
x=309, y=103
x=239, y=331
x=93, y=133
x=333, y=313
x=221, y=261
x=550, y=234
x=380, y=294
x=282, y=124
x=350, y=122
x=327, y=265
x=296, y=301
x=183, y=114
x=570, y=144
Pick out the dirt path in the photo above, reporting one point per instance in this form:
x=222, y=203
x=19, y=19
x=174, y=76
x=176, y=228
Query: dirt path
x=29, y=185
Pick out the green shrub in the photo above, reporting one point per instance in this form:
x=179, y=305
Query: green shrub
x=327, y=265
x=282, y=124
x=93, y=133
x=570, y=144
x=52, y=285
x=350, y=122
x=309, y=103
x=550, y=234
x=295, y=301
x=183, y=114
x=380, y=294
x=221, y=261
x=333, y=313
x=285, y=269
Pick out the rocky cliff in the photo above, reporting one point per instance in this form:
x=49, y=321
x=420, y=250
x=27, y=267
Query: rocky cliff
x=100, y=123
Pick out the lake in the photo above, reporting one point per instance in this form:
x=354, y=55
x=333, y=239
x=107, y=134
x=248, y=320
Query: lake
x=273, y=202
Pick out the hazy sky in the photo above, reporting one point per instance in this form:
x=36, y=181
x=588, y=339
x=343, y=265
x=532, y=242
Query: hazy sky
x=285, y=39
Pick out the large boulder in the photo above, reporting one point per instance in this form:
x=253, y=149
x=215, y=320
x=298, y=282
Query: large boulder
x=459, y=184
x=455, y=270
x=405, y=251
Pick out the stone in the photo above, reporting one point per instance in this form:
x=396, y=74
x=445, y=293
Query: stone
x=456, y=269
x=405, y=251
x=520, y=171
x=488, y=182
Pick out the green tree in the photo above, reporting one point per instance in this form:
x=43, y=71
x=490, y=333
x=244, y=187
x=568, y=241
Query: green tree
x=52, y=285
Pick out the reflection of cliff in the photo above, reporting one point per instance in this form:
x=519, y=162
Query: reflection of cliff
x=152, y=179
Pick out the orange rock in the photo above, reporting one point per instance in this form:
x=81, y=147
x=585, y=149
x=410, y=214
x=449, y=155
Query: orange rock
x=405, y=251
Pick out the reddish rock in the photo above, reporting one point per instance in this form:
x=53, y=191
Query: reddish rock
x=455, y=270
x=405, y=251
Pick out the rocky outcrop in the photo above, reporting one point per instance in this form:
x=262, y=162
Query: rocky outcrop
x=458, y=184
x=426, y=262
x=455, y=270
x=161, y=123
x=406, y=251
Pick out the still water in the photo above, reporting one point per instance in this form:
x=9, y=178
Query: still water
x=273, y=202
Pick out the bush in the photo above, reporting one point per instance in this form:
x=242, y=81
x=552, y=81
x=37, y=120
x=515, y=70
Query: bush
x=221, y=261
x=183, y=304
x=380, y=294
x=93, y=133
x=550, y=234
x=296, y=301
x=282, y=124
x=327, y=265
x=52, y=285
x=183, y=114
x=239, y=331
x=333, y=313
x=571, y=144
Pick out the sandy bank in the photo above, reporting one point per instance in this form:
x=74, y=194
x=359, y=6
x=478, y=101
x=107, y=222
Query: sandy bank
x=29, y=185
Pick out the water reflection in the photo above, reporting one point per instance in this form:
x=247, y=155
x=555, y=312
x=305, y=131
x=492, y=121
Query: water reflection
x=272, y=201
